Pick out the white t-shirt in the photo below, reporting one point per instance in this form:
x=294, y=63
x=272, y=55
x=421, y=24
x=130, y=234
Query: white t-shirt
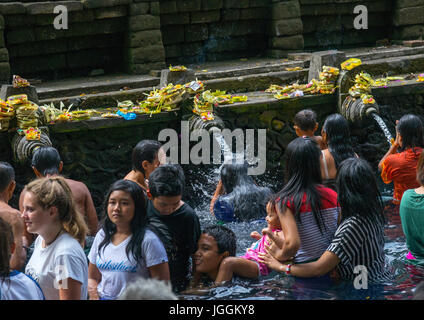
x=62, y=259
x=117, y=270
x=19, y=286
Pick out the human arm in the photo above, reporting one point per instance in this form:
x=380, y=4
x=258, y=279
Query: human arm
x=392, y=150
x=94, y=278
x=218, y=191
x=255, y=235
x=17, y=261
x=160, y=271
x=284, y=249
x=71, y=289
x=91, y=215
x=326, y=263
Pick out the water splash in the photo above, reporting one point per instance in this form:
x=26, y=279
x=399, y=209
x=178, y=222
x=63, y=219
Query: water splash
x=383, y=127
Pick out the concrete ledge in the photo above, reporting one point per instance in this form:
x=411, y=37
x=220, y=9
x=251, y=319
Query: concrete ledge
x=104, y=123
x=12, y=8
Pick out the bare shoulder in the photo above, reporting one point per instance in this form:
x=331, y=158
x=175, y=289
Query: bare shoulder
x=10, y=214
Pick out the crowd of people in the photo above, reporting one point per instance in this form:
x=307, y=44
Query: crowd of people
x=326, y=220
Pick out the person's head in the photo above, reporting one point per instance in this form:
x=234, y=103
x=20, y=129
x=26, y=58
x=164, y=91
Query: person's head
x=234, y=174
x=305, y=123
x=335, y=132
x=48, y=204
x=420, y=169
x=7, y=247
x=46, y=162
x=357, y=190
x=148, y=289
x=125, y=207
x=7, y=181
x=410, y=129
x=272, y=216
x=166, y=187
x=302, y=176
x=215, y=244
x=147, y=155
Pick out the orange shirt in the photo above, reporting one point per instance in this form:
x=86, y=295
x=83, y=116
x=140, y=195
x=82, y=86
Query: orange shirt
x=401, y=168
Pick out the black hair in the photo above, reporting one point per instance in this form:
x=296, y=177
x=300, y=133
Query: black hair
x=167, y=180
x=224, y=237
x=138, y=223
x=338, y=138
x=246, y=198
x=357, y=190
x=6, y=240
x=302, y=176
x=305, y=119
x=46, y=160
x=7, y=175
x=145, y=150
x=410, y=127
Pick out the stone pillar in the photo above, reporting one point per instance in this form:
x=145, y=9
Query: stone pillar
x=145, y=50
x=4, y=56
x=285, y=31
x=408, y=20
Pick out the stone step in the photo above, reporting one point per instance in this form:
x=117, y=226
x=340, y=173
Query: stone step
x=92, y=85
x=377, y=54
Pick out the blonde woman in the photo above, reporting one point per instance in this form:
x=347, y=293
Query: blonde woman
x=58, y=263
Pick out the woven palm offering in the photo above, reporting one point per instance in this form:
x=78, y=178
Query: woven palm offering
x=26, y=115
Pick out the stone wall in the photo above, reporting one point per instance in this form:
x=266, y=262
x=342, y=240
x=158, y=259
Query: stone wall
x=330, y=23
x=112, y=35
x=408, y=19
x=210, y=30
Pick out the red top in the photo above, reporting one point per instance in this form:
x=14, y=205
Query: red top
x=401, y=168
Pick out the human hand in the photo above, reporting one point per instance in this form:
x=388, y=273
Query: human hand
x=270, y=261
x=255, y=235
x=273, y=243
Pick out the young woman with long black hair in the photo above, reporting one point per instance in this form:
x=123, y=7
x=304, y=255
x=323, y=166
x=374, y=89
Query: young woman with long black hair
x=308, y=211
x=400, y=167
x=336, y=135
x=124, y=248
x=359, y=239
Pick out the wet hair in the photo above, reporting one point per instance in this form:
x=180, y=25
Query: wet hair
x=305, y=119
x=7, y=175
x=410, y=127
x=244, y=196
x=138, y=223
x=6, y=241
x=55, y=192
x=145, y=150
x=420, y=169
x=46, y=160
x=167, y=180
x=338, y=138
x=302, y=176
x=357, y=190
x=224, y=237
x=148, y=289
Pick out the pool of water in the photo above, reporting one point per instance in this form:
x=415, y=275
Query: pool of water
x=201, y=183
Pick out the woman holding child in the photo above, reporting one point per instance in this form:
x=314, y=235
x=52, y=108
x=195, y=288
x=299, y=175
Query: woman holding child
x=359, y=239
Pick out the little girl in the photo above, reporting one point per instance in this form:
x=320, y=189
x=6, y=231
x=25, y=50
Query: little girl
x=248, y=266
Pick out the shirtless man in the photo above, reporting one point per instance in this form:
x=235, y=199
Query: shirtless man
x=46, y=163
x=12, y=216
x=147, y=155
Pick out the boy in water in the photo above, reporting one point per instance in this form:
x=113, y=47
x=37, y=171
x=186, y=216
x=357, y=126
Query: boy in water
x=305, y=124
x=173, y=220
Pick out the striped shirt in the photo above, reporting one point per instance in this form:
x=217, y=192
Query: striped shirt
x=313, y=242
x=359, y=241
